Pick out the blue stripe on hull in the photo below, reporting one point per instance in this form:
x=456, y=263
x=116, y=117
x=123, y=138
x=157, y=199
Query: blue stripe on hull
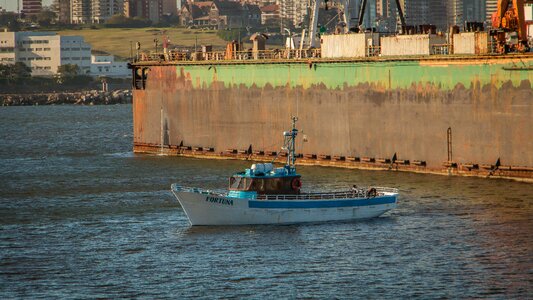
x=321, y=203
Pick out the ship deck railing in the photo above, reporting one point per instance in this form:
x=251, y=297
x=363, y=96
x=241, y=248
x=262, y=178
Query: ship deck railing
x=358, y=193
x=273, y=54
x=176, y=56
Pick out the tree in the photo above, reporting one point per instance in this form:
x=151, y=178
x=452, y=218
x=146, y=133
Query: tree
x=67, y=72
x=120, y=21
x=168, y=20
x=46, y=17
x=21, y=70
x=14, y=73
x=10, y=21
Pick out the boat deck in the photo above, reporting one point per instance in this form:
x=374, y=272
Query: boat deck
x=359, y=193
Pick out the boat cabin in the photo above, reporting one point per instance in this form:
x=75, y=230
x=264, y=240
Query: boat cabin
x=264, y=179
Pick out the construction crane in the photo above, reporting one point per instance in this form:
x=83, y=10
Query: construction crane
x=347, y=17
x=509, y=19
x=315, y=5
x=362, y=14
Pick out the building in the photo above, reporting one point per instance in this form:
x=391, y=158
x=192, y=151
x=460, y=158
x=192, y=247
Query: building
x=153, y=10
x=293, y=13
x=474, y=10
x=441, y=13
x=455, y=12
x=422, y=12
x=226, y=14
x=7, y=48
x=261, y=2
x=44, y=52
x=105, y=65
x=221, y=14
x=31, y=7
x=270, y=15
x=91, y=11
x=490, y=8
x=80, y=11
x=252, y=15
x=62, y=10
x=101, y=10
x=196, y=13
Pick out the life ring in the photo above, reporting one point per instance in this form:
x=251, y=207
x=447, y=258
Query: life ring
x=371, y=193
x=296, y=184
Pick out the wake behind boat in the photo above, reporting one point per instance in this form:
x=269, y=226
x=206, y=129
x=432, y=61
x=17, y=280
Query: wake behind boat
x=267, y=195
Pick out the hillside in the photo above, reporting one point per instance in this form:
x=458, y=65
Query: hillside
x=117, y=40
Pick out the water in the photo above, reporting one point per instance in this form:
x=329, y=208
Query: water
x=81, y=216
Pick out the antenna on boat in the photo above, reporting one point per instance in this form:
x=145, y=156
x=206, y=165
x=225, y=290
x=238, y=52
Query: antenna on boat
x=290, y=144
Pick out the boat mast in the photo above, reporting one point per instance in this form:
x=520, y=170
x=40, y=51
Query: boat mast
x=290, y=144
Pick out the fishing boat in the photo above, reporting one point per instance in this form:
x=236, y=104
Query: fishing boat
x=264, y=194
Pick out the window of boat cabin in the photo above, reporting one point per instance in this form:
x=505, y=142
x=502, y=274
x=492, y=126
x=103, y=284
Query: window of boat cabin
x=240, y=183
x=234, y=182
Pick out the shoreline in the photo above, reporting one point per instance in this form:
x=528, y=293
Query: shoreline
x=88, y=97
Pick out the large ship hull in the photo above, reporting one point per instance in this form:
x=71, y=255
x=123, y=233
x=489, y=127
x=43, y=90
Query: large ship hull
x=470, y=115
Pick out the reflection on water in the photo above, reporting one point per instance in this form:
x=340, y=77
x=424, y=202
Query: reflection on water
x=82, y=216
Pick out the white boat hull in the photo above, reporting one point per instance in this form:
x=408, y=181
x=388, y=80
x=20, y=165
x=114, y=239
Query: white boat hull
x=213, y=209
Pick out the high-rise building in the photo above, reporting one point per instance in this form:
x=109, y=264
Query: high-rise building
x=381, y=8
x=94, y=11
x=80, y=11
x=150, y=9
x=423, y=12
x=474, y=10
x=31, y=7
x=490, y=8
x=455, y=12
x=62, y=10
x=293, y=12
x=101, y=10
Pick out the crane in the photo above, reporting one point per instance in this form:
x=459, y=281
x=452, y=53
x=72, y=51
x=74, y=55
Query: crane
x=510, y=19
x=315, y=4
x=362, y=13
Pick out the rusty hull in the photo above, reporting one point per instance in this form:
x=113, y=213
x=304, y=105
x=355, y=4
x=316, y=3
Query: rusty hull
x=359, y=120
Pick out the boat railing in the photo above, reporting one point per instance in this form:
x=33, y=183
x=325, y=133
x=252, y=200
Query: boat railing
x=215, y=192
x=356, y=193
x=440, y=49
x=363, y=192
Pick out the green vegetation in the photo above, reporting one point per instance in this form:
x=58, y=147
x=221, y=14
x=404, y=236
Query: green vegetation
x=16, y=78
x=69, y=74
x=232, y=35
x=120, y=21
x=9, y=21
x=14, y=73
x=44, y=18
x=117, y=41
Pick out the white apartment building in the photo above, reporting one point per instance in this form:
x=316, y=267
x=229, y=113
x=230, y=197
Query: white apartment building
x=44, y=52
x=293, y=11
x=105, y=65
x=94, y=11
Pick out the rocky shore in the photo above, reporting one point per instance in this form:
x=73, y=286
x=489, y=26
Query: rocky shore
x=92, y=97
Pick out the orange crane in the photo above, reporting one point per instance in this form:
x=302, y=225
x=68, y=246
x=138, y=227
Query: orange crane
x=508, y=19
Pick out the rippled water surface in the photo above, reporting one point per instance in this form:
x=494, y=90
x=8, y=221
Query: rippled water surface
x=81, y=216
